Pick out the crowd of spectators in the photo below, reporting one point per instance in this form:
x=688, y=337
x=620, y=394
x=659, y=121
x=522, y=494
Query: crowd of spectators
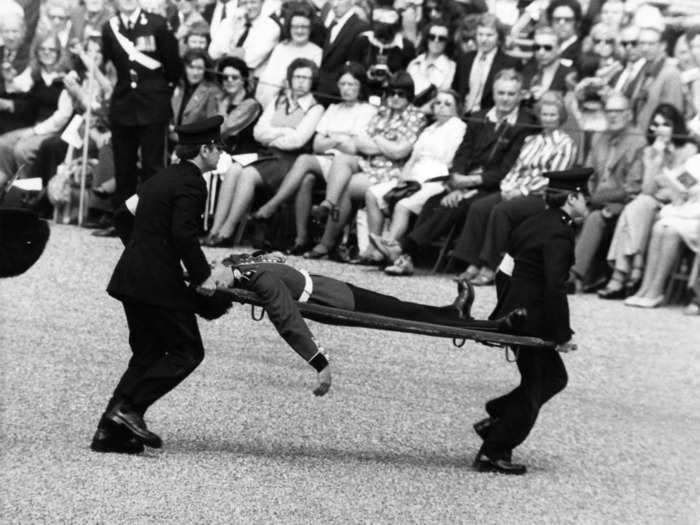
x=431, y=116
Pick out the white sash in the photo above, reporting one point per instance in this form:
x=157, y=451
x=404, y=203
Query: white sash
x=308, y=287
x=507, y=264
x=128, y=46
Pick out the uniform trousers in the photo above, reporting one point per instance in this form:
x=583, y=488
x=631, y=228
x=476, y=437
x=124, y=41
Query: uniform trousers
x=166, y=347
x=542, y=375
x=126, y=141
x=490, y=220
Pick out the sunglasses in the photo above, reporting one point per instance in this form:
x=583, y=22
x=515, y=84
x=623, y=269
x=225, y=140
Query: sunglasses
x=437, y=38
x=562, y=19
x=608, y=41
x=630, y=43
x=48, y=50
x=396, y=93
x=231, y=77
x=542, y=47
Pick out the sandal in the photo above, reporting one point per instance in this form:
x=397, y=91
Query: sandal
x=326, y=209
x=317, y=252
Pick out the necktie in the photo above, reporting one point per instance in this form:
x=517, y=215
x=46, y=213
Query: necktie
x=223, y=12
x=244, y=35
x=330, y=30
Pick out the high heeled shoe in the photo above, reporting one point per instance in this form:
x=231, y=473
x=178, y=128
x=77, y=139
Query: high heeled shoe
x=217, y=241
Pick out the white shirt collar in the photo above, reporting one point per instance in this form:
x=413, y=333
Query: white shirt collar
x=133, y=18
x=344, y=18
x=566, y=43
x=488, y=55
x=397, y=42
x=305, y=102
x=511, y=118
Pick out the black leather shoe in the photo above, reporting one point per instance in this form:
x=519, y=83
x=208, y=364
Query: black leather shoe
x=107, y=232
x=106, y=440
x=483, y=463
x=135, y=424
x=482, y=427
x=608, y=293
x=299, y=249
x=513, y=321
x=465, y=299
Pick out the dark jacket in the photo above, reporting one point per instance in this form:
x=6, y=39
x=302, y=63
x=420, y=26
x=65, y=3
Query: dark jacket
x=335, y=54
x=164, y=233
x=543, y=250
x=558, y=81
x=465, y=61
x=495, y=153
x=143, y=97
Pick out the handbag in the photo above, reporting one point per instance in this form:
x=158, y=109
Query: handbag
x=402, y=190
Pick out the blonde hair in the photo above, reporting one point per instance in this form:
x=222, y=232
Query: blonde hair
x=553, y=98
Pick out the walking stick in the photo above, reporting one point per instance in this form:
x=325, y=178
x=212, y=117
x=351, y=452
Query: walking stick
x=86, y=139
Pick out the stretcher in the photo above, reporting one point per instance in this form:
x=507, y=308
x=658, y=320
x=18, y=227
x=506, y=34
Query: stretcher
x=341, y=317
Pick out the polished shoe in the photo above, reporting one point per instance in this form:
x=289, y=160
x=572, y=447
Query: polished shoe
x=482, y=427
x=632, y=287
x=470, y=273
x=483, y=463
x=402, y=266
x=464, y=300
x=217, y=241
x=107, y=440
x=107, y=232
x=513, y=321
x=594, y=286
x=129, y=419
x=650, y=302
x=610, y=293
x=299, y=249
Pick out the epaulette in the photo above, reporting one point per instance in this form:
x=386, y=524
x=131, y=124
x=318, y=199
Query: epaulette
x=237, y=259
x=566, y=62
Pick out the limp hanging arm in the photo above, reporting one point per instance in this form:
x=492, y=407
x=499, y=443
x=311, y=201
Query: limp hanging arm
x=340, y=317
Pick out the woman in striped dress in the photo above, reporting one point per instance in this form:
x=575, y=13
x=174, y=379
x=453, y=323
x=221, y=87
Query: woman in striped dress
x=491, y=219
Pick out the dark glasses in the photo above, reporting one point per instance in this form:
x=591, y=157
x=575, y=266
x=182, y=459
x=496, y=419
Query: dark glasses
x=231, y=77
x=542, y=47
x=562, y=19
x=629, y=43
x=396, y=93
x=437, y=38
x=608, y=41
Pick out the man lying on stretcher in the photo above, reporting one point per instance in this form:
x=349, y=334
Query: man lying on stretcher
x=281, y=287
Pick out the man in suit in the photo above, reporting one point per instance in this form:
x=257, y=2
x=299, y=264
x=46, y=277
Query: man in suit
x=542, y=251
x=148, y=280
x=612, y=186
x=564, y=16
x=488, y=151
x=145, y=55
x=545, y=71
x=476, y=70
x=343, y=28
x=660, y=80
x=627, y=79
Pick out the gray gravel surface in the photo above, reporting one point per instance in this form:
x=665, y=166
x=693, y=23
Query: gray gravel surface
x=247, y=442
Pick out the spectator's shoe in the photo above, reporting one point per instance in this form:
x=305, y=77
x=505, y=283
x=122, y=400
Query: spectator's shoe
x=467, y=275
x=108, y=440
x=299, y=249
x=464, y=300
x=100, y=223
x=612, y=293
x=633, y=300
x=483, y=463
x=692, y=309
x=594, y=286
x=650, y=302
x=402, y=266
x=317, y=252
x=485, y=278
x=326, y=209
x=107, y=232
x=122, y=416
x=391, y=250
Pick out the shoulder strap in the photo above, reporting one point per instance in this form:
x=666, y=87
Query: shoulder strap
x=129, y=48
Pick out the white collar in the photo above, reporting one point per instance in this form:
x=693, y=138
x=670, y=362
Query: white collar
x=133, y=18
x=397, y=42
x=566, y=43
x=511, y=118
x=305, y=102
x=440, y=62
x=486, y=55
x=341, y=21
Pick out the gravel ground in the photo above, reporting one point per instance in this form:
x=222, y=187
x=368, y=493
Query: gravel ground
x=247, y=442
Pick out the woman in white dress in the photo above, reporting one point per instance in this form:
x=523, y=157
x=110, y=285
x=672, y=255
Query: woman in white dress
x=431, y=158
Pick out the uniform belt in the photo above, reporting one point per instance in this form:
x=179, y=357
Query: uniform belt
x=308, y=287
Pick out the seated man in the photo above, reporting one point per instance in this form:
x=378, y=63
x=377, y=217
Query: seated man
x=280, y=286
x=612, y=186
x=488, y=151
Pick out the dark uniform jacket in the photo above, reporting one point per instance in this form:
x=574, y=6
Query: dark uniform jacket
x=543, y=250
x=164, y=233
x=142, y=96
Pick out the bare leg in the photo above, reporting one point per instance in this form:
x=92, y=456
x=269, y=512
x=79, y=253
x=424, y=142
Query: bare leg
x=303, y=165
x=670, y=245
x=341, y=172
x=399, y=222
x=355, y=191
x=226, y=193
x=375, y=217
x=243, y=197
x=302, y=207
x=653, y=258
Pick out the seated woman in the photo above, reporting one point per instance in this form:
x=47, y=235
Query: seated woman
x=297, y=28
x=195, y=98
x=336, y=132
x=383, y=147
x=668, y=150
x=47, y=105
x=678, y=224
x=490, y=220
x=285, y=128
x=431, y=158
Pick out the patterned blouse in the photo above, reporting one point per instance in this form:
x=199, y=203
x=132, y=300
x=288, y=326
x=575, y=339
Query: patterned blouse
x=540, y=153
x=404, y=126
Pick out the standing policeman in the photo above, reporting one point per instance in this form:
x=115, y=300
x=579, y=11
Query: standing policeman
x=148, y=280
x=145, y=54
x=542, y=249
